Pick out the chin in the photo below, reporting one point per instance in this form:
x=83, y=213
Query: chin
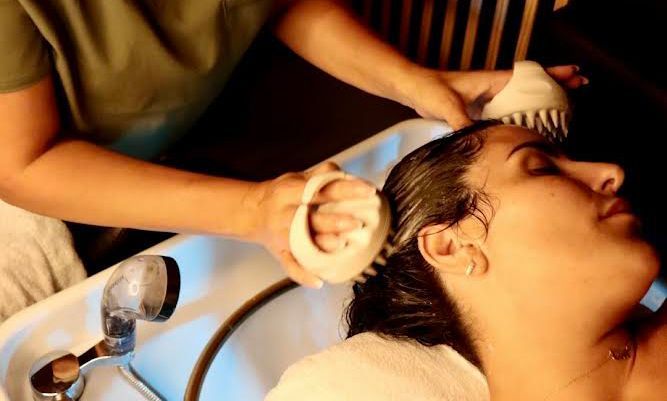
x=644, y=265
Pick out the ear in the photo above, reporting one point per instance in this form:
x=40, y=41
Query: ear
x=447, y=252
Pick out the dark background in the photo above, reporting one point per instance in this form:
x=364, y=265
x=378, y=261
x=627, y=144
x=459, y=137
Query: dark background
x=278, y=113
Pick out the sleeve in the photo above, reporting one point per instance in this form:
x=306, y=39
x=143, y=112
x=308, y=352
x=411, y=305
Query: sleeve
x=24, y=57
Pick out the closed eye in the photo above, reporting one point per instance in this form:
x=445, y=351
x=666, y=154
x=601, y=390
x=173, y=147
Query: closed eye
x=537, y=163
x=546, y=170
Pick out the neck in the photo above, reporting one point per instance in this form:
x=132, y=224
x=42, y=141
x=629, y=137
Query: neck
x=527, y=363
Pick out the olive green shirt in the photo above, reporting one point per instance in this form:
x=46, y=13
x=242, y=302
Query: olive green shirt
x=135, y=74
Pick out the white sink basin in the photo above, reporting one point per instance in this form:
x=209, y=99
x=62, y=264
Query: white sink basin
x=218, y=275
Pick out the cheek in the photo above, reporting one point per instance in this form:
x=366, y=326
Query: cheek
x=543, y=239
x=543, y=221
x=550, y=234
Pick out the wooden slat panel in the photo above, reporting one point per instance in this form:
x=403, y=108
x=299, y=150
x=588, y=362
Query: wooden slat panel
x=406, y=13
x=558, y=4
x=367, y=10
x=447, y=33
x=497, y=29
x=471, y=34
x=527, y=21
x=425, y=31
x=385, y=19
x=383, y=14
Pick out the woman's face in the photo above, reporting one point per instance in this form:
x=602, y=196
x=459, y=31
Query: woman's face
x=558, y=230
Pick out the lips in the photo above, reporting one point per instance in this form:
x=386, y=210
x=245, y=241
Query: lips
x=617, y=206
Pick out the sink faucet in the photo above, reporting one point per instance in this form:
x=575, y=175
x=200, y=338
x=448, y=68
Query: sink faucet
x=144, y=287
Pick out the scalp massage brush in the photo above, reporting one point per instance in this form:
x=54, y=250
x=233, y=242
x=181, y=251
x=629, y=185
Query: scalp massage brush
x=531, y=99
x=362, y=246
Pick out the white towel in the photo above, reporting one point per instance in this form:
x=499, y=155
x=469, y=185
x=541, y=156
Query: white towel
x=37, y=259
x=368, y=367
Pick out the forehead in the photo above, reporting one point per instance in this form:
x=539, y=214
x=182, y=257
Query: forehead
x=500, y=141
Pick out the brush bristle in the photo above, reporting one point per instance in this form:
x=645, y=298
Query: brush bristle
x=552, y=124
x=379, y=262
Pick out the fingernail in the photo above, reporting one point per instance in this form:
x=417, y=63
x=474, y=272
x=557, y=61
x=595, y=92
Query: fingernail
x=584, y=81
x=317, y=284
x=576, y=68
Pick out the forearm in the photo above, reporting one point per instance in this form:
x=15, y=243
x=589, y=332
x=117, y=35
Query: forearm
x=79, y=181
x=328, y=35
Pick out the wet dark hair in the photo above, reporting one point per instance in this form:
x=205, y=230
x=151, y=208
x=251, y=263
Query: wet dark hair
x=406, y=299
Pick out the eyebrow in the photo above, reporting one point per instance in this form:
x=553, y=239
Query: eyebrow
x=542, y=146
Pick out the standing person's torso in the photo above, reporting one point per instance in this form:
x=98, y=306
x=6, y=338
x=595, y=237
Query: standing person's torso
x=136, y=73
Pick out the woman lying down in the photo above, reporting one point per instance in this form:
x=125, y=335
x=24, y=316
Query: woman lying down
x=522, y=260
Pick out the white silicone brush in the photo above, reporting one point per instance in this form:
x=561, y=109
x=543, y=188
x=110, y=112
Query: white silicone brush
x=363, y=246
x=532, y=99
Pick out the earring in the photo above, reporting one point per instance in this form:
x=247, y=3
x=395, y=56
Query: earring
x=470, y=268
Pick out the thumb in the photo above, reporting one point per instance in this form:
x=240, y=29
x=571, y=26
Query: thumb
x=454, y=110
x=458, y=121
x=324, y=167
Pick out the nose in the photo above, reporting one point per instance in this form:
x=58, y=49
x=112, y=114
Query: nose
x=605, y=178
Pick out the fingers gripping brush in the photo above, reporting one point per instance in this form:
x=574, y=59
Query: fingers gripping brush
x=362, y=247
x=532, y=99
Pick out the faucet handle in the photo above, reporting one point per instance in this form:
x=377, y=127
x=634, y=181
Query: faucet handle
x=56, y=376
x=59, y=375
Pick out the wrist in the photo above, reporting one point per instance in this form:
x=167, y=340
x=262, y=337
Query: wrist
x=250, y=218
x=408, y=81
x=235, y=208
